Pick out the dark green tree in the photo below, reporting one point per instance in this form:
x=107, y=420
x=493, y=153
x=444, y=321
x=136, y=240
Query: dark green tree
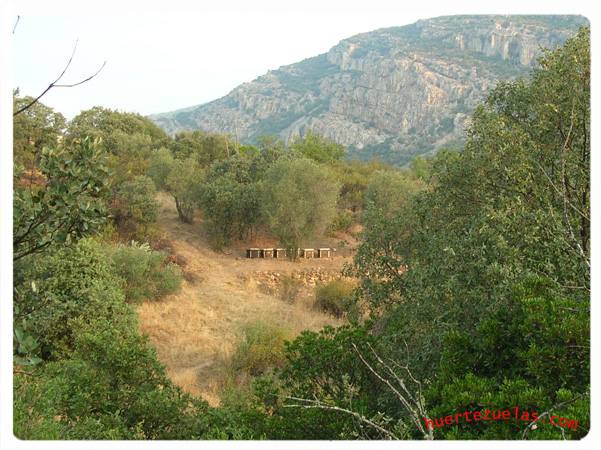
x=299, y=200
x=66, y=200
x=134, y=205
x=318, y=148
x=35, y=128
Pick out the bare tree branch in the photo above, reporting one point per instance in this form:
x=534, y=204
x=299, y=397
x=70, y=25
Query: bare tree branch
x=412, y=403
x=317, y=404
x=16, y=23
x=84, y=80
x=546, y=413
x=414, y=406
x=55, y=83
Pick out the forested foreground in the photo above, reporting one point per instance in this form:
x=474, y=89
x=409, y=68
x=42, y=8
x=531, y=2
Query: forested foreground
x=473, y=275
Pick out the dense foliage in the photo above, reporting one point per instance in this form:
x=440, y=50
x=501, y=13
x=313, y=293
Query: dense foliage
x=299, y=200
x=63, y=198
x=475, y=267
x=473, y=272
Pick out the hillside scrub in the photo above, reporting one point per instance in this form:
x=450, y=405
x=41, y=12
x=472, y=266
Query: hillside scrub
x=261, y=348
x=469, y=279
x=146, y=273
x=299, y=201
x=335, y=297
x=474, y=266
x=91, y=359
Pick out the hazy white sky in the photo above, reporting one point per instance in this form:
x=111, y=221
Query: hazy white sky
x=179, y=56
x=160, y=63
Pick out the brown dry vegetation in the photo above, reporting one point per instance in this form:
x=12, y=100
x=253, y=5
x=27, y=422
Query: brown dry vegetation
x=195, y=331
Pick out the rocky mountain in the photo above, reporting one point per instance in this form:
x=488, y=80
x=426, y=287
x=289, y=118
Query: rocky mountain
x=391, y=93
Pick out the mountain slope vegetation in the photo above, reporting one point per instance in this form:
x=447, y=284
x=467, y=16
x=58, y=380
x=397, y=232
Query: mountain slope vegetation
x=390, y=94
x=465, y=297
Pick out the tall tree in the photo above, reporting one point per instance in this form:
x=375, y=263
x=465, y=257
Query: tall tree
x=35, y=128
x=299, y=200
x=67, y=200
x=318, y=148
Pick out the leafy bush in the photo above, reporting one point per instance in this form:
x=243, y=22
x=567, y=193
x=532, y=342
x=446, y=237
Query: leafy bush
x=261, y=348
x=299, y=200
x=146, y=273
x=134, y=204
x=290, y=288
x=65, y=201
x=342, y=221
x=335, y=297
x=76, y=281
x=231, y=209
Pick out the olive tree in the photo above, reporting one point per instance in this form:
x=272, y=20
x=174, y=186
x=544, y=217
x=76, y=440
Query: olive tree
x=299, y=200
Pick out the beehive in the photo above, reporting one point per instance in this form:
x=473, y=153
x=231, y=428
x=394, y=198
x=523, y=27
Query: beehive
x=253, y=252
x=308, y=253
x=324, y=252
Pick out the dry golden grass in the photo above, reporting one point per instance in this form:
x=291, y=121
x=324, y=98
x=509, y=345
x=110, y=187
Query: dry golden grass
x=196, y=330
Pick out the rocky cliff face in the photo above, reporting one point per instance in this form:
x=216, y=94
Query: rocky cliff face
x=391, y=93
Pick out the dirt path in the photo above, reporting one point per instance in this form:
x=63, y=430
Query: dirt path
x=195, y=330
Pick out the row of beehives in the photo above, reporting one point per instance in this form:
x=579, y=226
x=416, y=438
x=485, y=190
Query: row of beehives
x=283, y=253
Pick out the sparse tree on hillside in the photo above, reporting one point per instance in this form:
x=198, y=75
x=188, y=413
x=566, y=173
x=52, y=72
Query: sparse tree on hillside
x=204, y=147
x=184, y=182
x=134, y=204
x=299, y=200
x=159, y=167
x=318, y=148
x=37, y=127
x=180, y=178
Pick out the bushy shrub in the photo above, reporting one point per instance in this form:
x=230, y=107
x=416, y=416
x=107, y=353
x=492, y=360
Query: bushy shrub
x=261, y=348
x=335, y=297
x=290, y=288
x=75, y=281
x=147, y=274
x=231, y=207
x=84, y=396
x=134, y=204
x=341, y=222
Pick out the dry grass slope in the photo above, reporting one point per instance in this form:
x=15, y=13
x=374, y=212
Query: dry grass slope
x=196, y=330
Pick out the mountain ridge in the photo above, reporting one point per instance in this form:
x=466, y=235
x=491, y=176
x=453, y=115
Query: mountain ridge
x=391, y=93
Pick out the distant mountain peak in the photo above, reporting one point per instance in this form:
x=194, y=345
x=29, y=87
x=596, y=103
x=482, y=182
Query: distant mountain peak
x=392, y=93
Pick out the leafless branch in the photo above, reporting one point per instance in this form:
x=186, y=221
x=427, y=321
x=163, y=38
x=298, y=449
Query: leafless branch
x=55, y=83
x=546, y=413
x=16, y=23
x=317, y=404
x=559, y=192
x=412, y=403
x=84, y=80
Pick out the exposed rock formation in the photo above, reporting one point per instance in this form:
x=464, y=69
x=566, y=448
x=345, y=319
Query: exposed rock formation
x=391, y=93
